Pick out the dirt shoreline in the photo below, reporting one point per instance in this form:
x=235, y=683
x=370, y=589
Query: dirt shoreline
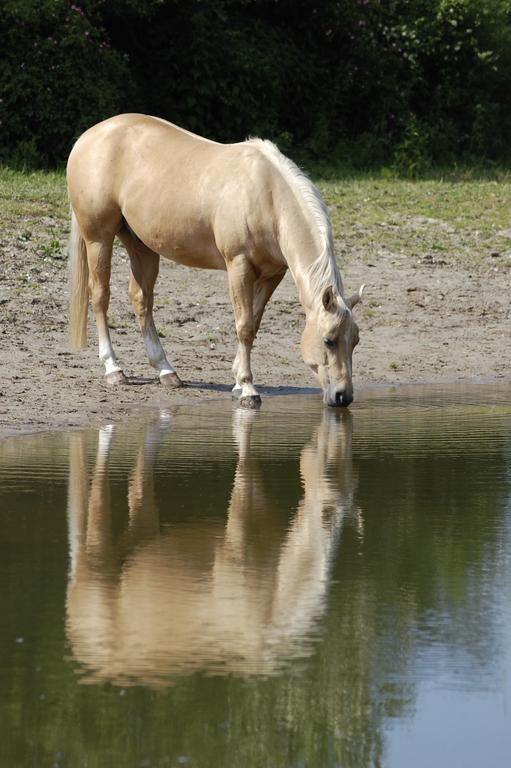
x=422, y=321
x=91, y=421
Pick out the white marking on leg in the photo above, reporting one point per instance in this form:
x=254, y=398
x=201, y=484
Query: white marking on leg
x=107, y=355
x=248, y=390
x=155, y=351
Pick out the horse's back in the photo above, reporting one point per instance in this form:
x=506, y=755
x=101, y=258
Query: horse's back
x=130, y=148
x=188, y=198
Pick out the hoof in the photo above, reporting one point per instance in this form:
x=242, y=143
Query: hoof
x=115, y=377
x=250, y=401
x=171, y=380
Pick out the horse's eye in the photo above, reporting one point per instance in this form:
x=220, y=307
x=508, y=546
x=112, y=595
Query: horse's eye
x=330, y=343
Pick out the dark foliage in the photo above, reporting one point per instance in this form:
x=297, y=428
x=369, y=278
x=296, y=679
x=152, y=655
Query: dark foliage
x=407, y=82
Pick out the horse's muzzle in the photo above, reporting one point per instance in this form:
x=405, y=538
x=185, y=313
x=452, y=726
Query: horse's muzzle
x=339, y=399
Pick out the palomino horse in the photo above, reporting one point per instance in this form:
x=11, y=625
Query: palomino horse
x=235, y=595
x=244, y=208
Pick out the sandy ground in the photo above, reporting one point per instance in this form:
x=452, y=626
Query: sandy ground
x=421, y=321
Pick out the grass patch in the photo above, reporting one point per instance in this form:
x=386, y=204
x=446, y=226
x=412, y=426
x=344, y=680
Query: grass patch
x=459, y=219
x=28, y=195
x=458, y=215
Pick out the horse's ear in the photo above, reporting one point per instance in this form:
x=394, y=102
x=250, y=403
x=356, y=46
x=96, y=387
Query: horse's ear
x=354, y=298
x=329, y=299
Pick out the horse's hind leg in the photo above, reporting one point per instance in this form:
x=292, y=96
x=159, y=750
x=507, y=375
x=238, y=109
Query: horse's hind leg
x=99, y=257
x=144, y=271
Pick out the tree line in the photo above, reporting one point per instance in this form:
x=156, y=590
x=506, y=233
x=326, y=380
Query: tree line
x=361, y=82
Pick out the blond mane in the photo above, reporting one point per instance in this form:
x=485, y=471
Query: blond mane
x=323, y=272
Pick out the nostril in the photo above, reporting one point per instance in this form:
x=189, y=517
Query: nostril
x=339, y=399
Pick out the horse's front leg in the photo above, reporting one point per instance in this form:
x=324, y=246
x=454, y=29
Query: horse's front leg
x=263, y=290
x=241, y=288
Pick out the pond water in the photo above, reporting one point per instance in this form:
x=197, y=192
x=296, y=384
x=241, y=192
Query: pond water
x=292, y=587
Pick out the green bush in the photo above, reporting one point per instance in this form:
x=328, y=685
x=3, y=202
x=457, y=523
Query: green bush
x=401, y=83
x=58, y=76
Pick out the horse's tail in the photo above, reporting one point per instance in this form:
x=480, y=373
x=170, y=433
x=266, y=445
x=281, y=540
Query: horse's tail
x=78, y=286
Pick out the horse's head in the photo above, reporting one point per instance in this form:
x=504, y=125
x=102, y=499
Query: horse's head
x=328, y=340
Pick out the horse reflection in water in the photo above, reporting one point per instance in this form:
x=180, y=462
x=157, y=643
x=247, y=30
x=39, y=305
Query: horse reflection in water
x=235, y=597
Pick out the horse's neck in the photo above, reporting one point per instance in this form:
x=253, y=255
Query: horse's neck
x=307, y=255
